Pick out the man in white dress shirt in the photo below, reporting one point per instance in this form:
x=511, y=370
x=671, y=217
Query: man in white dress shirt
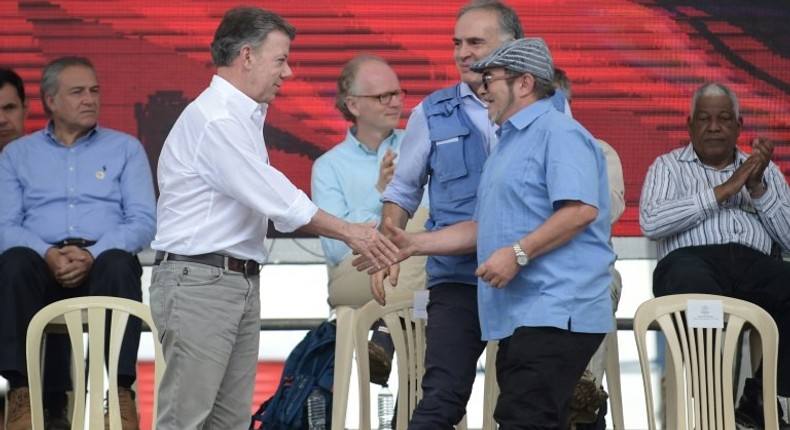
x=218, y=192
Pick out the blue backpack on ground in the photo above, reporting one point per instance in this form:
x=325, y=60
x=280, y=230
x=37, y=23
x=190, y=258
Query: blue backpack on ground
x=311, y=364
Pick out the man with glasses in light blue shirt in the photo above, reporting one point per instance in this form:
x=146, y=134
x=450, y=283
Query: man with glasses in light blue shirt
x=78, y=204
x=348, y=180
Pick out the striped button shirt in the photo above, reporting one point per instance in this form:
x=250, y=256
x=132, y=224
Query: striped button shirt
x=678, y=206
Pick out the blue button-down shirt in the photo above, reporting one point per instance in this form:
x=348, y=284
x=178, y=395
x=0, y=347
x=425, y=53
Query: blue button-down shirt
x=544, y=158
x=98, y=189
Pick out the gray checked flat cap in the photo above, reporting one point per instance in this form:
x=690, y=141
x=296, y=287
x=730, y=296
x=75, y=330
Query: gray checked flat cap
x=528, y=55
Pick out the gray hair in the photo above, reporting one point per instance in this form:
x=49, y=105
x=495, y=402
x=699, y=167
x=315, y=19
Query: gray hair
x=245, y=26
x=509, y=24
x=346, y=80
x=49, y=77
x=715, y=89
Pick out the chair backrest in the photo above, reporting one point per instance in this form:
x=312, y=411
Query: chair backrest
x=700, y=361
x=88, y=315
x=408, y=336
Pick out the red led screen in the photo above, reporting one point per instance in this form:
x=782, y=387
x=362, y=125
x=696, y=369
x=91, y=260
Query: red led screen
x=633, y=63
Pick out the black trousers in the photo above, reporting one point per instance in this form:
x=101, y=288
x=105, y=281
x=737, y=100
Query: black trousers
x=453, y=345
x=26, y=286
x=737, y=271
x=537, y=369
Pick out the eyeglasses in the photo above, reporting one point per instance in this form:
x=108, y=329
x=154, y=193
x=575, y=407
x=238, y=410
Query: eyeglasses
x=488, y=78
x=384, y=98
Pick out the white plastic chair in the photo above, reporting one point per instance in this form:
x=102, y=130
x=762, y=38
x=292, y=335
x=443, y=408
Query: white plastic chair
x=490, y=386
x=80, y=315
x=344, y=353
x=700, y=361
x=408, y=336
x=612, y=375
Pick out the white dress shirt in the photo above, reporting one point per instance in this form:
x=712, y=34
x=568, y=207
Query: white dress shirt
x=217, y=189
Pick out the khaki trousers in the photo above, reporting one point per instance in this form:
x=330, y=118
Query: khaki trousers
x=349, y=287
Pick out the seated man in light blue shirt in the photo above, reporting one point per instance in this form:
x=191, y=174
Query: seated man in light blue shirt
x=78, y=204
x=348, y=180
x=541, y=231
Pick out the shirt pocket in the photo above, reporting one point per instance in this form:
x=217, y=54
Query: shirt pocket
x=450, y=163
x=452, y=171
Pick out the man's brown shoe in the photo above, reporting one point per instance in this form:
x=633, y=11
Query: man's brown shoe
x=19, y=417
x=130, y=420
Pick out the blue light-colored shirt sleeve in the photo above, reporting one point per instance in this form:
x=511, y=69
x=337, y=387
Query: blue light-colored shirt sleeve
x=12, y=233
x=411, y=171
x=343, y=184
x=98, y=189
x=572, y=169
x=327, y=194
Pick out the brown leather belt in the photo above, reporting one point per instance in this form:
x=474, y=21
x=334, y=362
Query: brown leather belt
x=247, y=267
x=73, y=241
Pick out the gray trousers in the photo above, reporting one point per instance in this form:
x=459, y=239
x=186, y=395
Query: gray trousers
x=208, y=323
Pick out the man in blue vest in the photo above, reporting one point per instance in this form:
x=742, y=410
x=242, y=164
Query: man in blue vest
x=448, y=138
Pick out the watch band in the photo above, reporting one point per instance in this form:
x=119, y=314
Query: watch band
x=522, y=259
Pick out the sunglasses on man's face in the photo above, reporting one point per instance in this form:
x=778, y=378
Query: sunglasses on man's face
x=488, y=78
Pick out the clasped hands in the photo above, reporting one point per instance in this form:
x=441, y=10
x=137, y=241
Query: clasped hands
x=750, y=173
x=70, y=265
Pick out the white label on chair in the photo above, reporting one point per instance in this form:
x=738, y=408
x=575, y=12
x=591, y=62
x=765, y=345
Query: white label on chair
x=421, y=305
x=705, y=314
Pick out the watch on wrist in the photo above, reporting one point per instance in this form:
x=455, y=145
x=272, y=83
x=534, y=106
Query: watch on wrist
x=521, y=256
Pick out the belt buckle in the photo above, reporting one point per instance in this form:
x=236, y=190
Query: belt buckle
x=249, y=266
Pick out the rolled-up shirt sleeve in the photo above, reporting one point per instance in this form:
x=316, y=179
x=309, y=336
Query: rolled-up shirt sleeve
x=242, y=171
x=411, y=172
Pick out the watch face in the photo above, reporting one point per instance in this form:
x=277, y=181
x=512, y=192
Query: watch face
x=521, y=260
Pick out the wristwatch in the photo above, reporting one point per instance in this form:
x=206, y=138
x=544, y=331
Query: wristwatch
x=521, y=256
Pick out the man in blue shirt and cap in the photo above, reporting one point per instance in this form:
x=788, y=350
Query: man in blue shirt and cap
x=541, y=230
